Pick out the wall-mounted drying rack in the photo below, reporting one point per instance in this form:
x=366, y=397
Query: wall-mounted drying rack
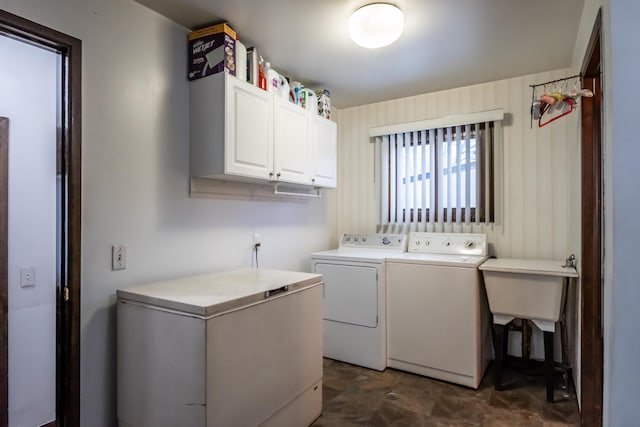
x=303, y=193
x=557, y=97
x=207, y=188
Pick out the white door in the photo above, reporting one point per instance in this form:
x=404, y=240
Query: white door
x=249, y=126
x=350, y=293
x=28, y=84
x=291, y=145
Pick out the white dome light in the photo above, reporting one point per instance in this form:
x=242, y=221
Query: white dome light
x=376, y=25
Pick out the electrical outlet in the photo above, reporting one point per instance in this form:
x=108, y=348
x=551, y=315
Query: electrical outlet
x=118, y=257
x=256, y=240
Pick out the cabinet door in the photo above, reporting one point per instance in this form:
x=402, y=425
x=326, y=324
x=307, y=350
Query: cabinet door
x=249, y=125
x=324, y=142
x=291, y=145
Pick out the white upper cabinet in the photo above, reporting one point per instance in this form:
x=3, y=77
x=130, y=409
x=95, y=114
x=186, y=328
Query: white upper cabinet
x=231, y=129
x=249, y=124
x=240, y=132
x=291, y=131
x=324, y=145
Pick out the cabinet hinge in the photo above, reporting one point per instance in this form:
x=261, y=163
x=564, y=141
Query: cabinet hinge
x=65, y=294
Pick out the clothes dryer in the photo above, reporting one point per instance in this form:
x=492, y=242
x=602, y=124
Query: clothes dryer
x=354, y=274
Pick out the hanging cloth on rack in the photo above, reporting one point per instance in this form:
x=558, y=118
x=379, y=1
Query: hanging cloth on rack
x=569, y=101
x=556, y=95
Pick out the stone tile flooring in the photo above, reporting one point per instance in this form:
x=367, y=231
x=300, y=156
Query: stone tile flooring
x=355, y=396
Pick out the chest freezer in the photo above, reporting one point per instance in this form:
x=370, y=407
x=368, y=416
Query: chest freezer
x=230, y=348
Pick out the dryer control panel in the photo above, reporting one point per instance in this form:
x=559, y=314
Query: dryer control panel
x=375, y=241
x=448, y=243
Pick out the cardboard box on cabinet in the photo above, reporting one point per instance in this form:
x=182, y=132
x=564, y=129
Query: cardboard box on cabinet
x=212, y=50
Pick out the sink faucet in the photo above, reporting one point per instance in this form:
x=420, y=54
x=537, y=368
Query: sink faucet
x=570, y=262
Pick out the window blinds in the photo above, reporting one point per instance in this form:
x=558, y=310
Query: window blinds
x=440, y=175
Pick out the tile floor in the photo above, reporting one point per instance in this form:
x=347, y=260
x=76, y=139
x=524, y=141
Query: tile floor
x=355, y=396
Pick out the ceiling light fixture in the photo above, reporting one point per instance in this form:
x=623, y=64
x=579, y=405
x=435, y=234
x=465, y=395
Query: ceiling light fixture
x=376, y=25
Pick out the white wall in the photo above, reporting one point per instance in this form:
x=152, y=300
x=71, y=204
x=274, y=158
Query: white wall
x=622, y=343
x=135, y=179
x=28, y=88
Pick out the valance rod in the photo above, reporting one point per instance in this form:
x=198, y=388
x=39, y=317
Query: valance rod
x=459, y=119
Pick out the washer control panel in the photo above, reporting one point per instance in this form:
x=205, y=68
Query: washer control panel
x=448, y=243
x=376, y=241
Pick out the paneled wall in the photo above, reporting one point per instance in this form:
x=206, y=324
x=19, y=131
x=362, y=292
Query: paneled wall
x=539, y=164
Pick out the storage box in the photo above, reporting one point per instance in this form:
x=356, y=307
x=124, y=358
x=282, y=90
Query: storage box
x=212, y=50
x=252, y=65
x=324, y=103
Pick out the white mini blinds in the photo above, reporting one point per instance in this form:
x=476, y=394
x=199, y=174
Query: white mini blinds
x=440, y=171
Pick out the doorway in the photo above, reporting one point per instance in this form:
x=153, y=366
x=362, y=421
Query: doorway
x=592, y=238
x=68, y=222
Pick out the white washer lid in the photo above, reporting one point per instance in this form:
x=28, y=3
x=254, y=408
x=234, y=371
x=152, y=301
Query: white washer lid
x=529, y=266
x=437, y=259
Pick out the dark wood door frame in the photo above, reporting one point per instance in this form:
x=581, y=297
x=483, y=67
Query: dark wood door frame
x=4, y=270
x=69, y=156
x=592, y=260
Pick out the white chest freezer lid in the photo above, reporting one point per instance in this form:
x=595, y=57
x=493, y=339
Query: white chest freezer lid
x=529, y=266
x=220, y=291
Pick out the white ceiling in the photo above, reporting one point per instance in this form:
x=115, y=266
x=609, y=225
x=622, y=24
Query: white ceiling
x=445, y=44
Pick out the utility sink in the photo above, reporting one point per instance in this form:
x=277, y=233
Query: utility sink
x=526, y=289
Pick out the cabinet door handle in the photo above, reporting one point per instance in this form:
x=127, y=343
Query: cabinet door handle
x=278, y=175
x=270, y=174
x=313, y=180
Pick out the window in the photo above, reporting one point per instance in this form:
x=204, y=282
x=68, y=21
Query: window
x=440, y=174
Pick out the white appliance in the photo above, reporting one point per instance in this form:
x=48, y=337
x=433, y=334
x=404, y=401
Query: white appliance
x=437, y=317
x=230, y=348
x=355, y=326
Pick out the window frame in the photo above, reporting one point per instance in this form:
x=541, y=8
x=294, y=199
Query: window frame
x=485, y=164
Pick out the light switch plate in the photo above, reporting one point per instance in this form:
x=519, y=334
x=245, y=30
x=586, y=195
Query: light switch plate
x=118, y=257
x=27, y=276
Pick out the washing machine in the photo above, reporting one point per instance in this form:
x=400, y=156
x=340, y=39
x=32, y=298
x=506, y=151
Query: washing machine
x=354, y=275
x=437, y=315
